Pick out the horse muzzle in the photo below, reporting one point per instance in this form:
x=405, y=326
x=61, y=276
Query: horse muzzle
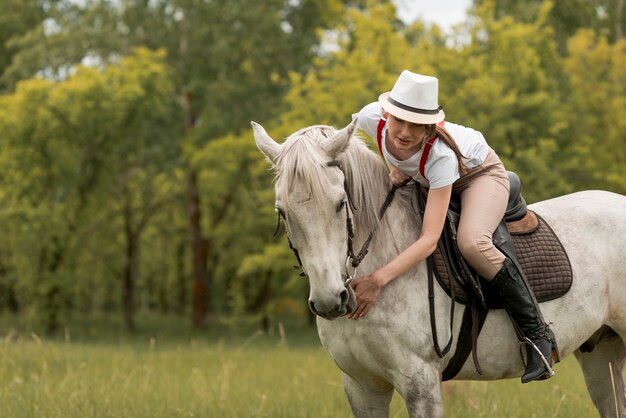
x=344, y=303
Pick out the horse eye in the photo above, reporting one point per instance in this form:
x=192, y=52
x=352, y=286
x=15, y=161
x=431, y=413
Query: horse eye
x=341, y=205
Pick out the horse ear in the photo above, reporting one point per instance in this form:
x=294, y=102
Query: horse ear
x=339, y=141
x=265, y=143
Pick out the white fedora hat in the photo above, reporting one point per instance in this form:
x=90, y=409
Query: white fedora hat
x=414, y=99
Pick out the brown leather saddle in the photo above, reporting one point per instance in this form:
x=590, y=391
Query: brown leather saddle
x=524, y=237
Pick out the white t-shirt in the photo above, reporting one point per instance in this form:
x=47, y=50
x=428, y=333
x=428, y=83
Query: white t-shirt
x=441, y=168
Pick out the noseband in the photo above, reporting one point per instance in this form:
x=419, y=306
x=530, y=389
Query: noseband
x=352, y=259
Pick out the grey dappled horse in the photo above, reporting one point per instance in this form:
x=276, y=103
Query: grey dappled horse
x=392, y=346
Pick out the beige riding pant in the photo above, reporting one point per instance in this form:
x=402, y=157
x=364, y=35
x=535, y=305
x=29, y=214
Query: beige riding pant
x=484, y=193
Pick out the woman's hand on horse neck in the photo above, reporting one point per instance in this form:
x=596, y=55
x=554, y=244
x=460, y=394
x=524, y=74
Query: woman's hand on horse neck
x=397, y=177
x=367, y=288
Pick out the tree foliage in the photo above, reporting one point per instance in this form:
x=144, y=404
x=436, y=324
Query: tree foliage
x=595, y=112
x=129, y=176
x=604, y=17
x=77, y=156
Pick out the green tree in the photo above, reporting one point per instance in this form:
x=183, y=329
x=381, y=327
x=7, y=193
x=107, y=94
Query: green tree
x=595, y=113
x=605, y=17
x=267, y=284
x=230, y=62
x=503, y=81
x=17, y=18
x=90, y=144
x=506, y=82
x=367, y=53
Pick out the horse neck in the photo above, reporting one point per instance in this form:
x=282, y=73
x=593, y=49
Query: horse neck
x=399, y=228
x=369, y=183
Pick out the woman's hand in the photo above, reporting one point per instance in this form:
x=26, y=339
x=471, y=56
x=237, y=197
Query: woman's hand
x=397, y=177
x=366, y=290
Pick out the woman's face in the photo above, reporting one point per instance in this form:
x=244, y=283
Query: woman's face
x=405, y=136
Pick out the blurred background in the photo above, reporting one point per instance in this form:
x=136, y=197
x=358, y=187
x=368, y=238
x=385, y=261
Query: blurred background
x=130, y=184
x=139, y=270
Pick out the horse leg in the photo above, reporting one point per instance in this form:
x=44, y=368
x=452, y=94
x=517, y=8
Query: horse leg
x=422, y=393
x=603, y=369
x=368, y=402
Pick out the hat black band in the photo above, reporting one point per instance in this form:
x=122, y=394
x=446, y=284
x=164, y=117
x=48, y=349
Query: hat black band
x=414, y=109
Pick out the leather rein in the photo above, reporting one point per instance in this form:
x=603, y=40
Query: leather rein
x=352, y=259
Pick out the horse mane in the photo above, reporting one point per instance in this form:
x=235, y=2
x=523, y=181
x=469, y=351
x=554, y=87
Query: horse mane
x=366, y=174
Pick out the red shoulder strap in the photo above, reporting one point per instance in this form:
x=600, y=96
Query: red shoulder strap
x=379, y=134
x=427, y=147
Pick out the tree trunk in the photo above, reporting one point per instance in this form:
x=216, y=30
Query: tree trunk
x=52, y=302
x=198, y=243
x=131, y=269
x=199, y=251
x=618, y=20
x=51, y=308
x=181, y=279
x=262, y=298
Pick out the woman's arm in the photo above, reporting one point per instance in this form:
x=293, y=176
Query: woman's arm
x=397, y=177
x=367, y=288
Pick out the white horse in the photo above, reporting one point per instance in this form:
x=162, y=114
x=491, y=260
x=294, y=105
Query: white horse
x=392, y=346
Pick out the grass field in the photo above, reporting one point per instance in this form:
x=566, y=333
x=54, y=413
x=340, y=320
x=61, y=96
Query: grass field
x=233, y=374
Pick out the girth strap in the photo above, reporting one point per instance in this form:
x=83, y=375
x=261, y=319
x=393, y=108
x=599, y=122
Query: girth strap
x=431, y=305
x=473, y=320
x=431, y=293
x=475, y=313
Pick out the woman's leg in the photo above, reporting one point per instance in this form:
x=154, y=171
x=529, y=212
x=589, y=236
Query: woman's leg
x=483, y=204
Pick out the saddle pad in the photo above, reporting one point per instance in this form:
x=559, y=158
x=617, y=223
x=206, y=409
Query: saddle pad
x=541, y=256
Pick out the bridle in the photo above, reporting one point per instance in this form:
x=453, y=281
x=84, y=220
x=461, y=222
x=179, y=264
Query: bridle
x=353, y=260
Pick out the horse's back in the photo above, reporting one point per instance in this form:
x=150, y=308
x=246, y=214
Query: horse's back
x=588, y=201
x=595, y=215
x=591, y=225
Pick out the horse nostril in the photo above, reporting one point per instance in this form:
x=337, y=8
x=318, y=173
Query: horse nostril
x=344, y=297
x=312, y=307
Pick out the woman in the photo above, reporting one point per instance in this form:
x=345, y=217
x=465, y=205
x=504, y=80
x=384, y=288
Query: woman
x=448, y=158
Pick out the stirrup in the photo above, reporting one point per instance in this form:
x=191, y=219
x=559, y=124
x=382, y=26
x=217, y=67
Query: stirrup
x=549, y=370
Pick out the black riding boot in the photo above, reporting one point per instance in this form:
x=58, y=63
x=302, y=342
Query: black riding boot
x=521, y=306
